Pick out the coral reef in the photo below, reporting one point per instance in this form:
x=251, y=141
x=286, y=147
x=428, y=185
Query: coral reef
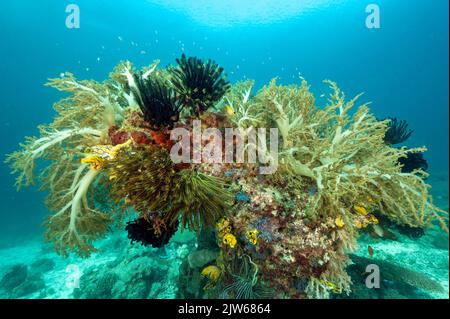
x=283, y=235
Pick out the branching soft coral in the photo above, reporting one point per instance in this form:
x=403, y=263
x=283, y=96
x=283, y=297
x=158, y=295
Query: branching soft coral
x=289, y=107
x=90, y=104
x=48, y=146
x=76, y=224
x=344, y=157
x=82, y=121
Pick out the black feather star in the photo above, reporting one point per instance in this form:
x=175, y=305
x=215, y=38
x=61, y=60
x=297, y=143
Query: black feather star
x=143, y=231
x=413, y=161
x=397, y=132
x=199, y=84
x=158, y=101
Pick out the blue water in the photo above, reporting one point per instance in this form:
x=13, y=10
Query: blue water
x=402, y=67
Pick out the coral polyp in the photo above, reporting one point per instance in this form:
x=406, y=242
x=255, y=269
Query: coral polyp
x=109, y=155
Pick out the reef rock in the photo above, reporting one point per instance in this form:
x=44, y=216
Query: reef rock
x=200, y=258
x=19, y=282
x=14, y=277
x=137, y=272
x=42, y=265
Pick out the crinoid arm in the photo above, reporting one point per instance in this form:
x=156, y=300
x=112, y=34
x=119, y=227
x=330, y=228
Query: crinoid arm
x=397, y=131
x=201, y=200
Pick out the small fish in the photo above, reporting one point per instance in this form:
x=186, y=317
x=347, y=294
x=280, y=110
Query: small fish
x=339, y=222
x=230, y=110
x=370, y=250
x=332, y=286
x=358, y=224
x=360, y=210
x=378, y=230
x=389, y=235
x=373, y=220
x=229, y=173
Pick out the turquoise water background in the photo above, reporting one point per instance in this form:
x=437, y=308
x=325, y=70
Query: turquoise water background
x=402, y=67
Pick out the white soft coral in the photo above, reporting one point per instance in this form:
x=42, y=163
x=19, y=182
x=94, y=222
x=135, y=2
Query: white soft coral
x=23, y=161
x=76, y=225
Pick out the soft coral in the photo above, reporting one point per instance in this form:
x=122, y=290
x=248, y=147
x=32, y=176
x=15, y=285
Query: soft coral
x=76, y=225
